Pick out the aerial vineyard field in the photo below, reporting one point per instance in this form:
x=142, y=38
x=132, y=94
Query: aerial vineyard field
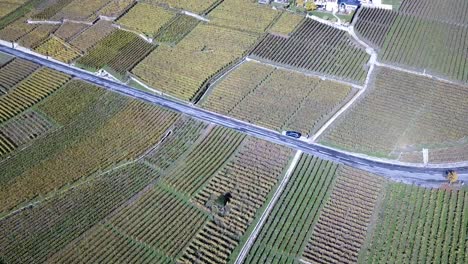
x=159, y=220
x=15, y=30
x=38, y=35
x=302, y=103
x=184, y=134
x=286, y=24
x=419, y=225
x=319, y=48
x=4, y=59
x=108, y=49
x=289, y=225
x=13, y=72
x=37, y=233
x=427, y=45
x=181, y=70
x=243, y=15
x=26, y=127
x=70, y=101
x=450, y=11
x=94, y=34
x=145, y=18
x=248, y=179
x=204, y=160
x=373, y=24
x=7, y=7
x=342, y=226
x=402, y=111
x=30, y=91
x=50, y=9
x=81, y=10
x=196, y=6
x=176, y=30
x=116, y=8
x=110, y=143
x=69, y=30
x=130, y=55
x=58, y=49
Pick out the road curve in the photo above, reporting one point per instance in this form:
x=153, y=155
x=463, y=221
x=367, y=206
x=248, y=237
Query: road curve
x=397, y=171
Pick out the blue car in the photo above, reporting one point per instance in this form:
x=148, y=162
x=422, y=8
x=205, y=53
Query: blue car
x=293, y=134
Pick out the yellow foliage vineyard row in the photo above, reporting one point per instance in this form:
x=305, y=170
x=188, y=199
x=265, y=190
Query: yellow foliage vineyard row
x=58, y=49
x=146, y=18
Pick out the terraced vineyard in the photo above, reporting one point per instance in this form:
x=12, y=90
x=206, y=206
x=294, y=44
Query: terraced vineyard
x=343, y=223
x=58, y=49
x=451, y=11
x=286, y=24
x=121, y=51
x=249, y=178
x=177, y=29
x=14, y=72
x=36, y=36
x=243, y=15
x=319, y=48
x=373, y=25
x=302, y=103
x=426, y=44
x=195, y=172
x=51, y=9
x=16, y=29
x=202, y=53
x=197, y=6
x=420, y=225
x=68, y=30
x=30, y=91
x=115, y=8
x=37, y=233
x=81, y=10
x=137, y=19
x=111, y=142
x=289, y=225
x=93, y=35
x=416, y=117
x=21, y=130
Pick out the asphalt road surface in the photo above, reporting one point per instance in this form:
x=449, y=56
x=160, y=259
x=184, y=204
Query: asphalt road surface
x=417, y=174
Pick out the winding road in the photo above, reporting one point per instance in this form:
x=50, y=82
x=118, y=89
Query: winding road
x=431, y=175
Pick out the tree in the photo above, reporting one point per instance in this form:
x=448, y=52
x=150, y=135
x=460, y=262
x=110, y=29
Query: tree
x=452, y=176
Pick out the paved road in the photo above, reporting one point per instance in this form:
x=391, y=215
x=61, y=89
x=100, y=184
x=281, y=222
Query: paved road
x=397, y=171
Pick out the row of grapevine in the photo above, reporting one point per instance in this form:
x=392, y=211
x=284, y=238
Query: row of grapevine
x=427, y=45
x=316, y=47
x=419, y=225
x=286, y=24
x=373, y=24
x=68, y=30
x=13, y=72
x=25, y=127
x=92, y=35
x=51, y=9
x=234, y=196
x=107, y=49
x=196, y=6
x=289, y=225
x=177, y=29
x=158, y=219
x=342, y=226
x=130, y=55
x=302, y=103
x=243, y=15
x=110, y=143
x=146, y=18
x=36, y=233
x=184, y=134
x=450, y=11
x=30, y=91
x=181, y=70
x=204, y=160
x=402, y=111
x=58, y=49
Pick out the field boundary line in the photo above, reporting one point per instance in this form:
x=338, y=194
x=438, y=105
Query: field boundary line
x=253, y=236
